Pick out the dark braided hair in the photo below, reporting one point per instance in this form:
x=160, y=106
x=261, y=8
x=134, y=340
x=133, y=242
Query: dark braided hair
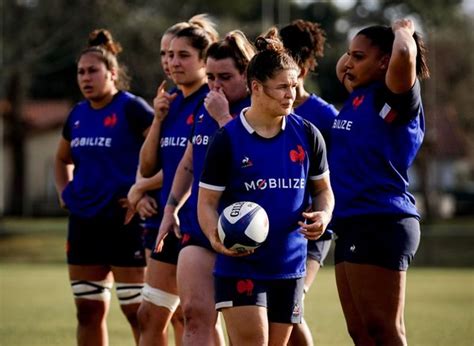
x=382, y=37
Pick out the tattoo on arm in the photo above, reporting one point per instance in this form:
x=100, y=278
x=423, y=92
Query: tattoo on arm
x=188, y=169
x=172, y=201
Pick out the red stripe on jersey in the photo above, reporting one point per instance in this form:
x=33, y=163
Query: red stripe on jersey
x=387, y=113
x=390, y=116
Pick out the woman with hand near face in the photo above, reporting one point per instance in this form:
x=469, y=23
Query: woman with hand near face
x=163, y=149
x=145, y=198
x=226, y=63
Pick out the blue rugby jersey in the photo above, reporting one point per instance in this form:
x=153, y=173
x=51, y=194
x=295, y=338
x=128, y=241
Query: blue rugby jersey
x=318, y=112
x=204, y=128
x=175, y=132
x=152, y=224
x=105, y=145
x=272, y=172
x=321, y=114
x=375, y=139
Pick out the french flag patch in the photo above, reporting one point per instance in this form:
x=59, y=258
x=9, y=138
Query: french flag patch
x=387, y=113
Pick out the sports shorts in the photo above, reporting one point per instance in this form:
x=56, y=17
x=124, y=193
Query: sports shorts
x=189, y=239
x=388, y=241
x=105, y=240
x=151, y=225
x=172, y=244
x=318, y=250
x=283, y=298
x=169, y=253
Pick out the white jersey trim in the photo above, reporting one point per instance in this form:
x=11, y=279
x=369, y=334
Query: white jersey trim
x=225, y=304
x=249, y=128
x=320, y=176
x=385, y=110
x=211, y=187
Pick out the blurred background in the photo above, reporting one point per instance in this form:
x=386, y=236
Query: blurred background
x=40, y=40
x=39, y=43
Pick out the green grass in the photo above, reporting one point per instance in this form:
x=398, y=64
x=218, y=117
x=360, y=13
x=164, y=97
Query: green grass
x=37, y=308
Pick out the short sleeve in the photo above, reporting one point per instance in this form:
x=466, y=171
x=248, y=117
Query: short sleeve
x=318, y=166
x=66, y=133
x=218, y=161
x=405, y=106
x=139, y=114
x=200, y=110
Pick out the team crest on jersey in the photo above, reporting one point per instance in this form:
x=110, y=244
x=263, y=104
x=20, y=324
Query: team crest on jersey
x=246, y=162
x=245, y=287
x=297, y=155
x=111, y=120
x=357, y=101
x=190, y=119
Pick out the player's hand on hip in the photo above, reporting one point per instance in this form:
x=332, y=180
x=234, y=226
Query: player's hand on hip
x=169, y=223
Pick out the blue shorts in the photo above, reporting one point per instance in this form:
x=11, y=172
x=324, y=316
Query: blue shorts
x=188, y=240
x=282, y=298
x=105, y=241
x=151, y=226
x=389, y=241
x=169, y=253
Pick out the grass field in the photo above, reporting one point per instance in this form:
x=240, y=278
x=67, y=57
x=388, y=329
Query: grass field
x=36, y=305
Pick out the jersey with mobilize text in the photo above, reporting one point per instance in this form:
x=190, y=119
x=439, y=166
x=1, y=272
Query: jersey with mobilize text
x=105, y=145
x=375, y=139
x=274, y=173
x=204, y=129
x=175, y=131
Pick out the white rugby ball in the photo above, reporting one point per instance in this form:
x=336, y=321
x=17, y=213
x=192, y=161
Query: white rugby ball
x=243, y=226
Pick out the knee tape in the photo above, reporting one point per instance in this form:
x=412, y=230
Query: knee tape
x=129, y=293
x=160, y=298
x=92, y=290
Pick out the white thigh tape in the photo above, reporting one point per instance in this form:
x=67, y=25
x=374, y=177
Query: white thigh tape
x=160, y=298
x=129, y=293
x=93, y=290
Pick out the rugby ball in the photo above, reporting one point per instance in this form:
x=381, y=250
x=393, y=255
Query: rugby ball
x=243, y=226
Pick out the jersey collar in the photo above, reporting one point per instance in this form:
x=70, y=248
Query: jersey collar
x=250, y=128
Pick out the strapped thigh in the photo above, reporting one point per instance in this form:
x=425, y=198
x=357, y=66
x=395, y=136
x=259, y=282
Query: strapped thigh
x=129, y=293
x=160, y=298
x=92, y=290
